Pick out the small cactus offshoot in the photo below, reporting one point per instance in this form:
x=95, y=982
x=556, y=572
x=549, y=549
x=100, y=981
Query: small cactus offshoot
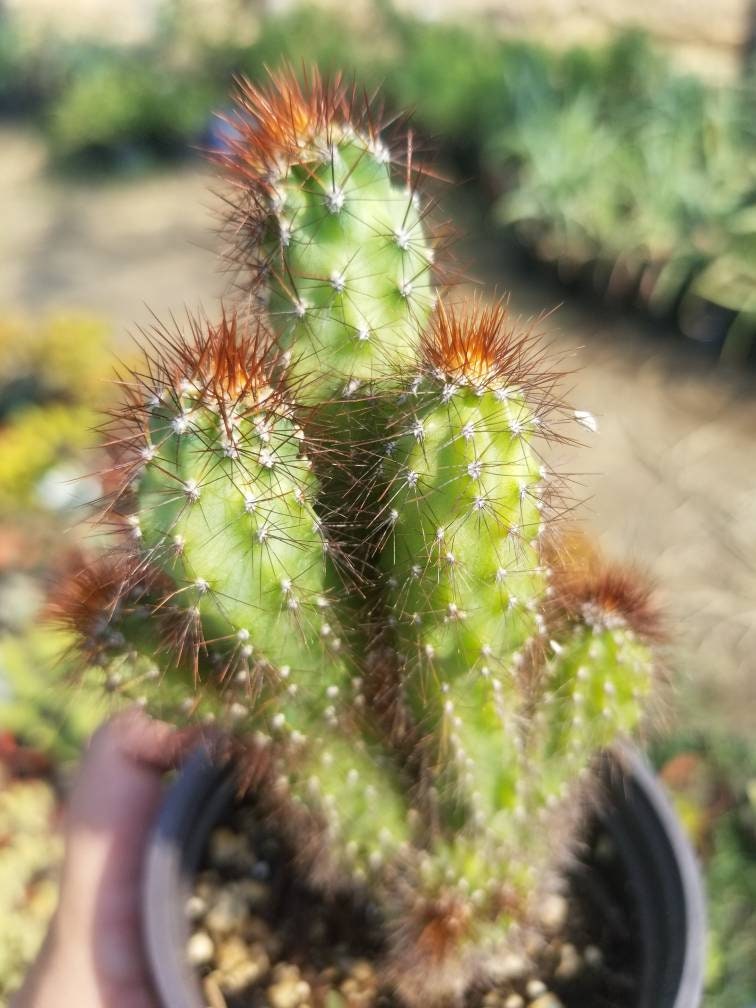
x=372, y=594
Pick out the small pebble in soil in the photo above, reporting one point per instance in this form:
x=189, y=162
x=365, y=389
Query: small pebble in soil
x=195, y=907
x=592, y=955
x=553, y=913
x=200, y=948
x=547, y=1000
x=227, y=912
x=535, y=945
x=213, y=994
x=510, y=967
x=514, y=1001
x=361, y=986
x=535, y=988
x=288, y=990
x=570, y=962
x=240, y=965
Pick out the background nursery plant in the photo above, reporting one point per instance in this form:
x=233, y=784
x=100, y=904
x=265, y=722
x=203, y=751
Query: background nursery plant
x=333, y=532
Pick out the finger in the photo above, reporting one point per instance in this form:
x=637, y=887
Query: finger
x=110, y=812
x=149, y=741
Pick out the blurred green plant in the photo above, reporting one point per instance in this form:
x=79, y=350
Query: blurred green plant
x=623, y=169
x=10, y=57
x=28, y=64
x=36, y=700
x=43, y=440
x=65, y=357
x=53, y=375
x=329, y=40
x=29, y=856
x=458, y=104
x=52, y=379
x=607, y=161
x=712, y=777
x=731, y=883
x=125, y=109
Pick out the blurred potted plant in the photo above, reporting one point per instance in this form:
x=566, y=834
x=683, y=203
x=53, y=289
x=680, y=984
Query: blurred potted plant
x=338, y=543
x=655, y=209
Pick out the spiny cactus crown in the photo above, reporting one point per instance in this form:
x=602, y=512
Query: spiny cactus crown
x=420, y=712
x=338, y=242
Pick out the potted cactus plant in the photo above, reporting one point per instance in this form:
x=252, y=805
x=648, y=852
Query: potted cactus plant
x=333, y=536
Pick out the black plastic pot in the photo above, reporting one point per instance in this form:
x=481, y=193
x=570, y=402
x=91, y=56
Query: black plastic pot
x=655, y=856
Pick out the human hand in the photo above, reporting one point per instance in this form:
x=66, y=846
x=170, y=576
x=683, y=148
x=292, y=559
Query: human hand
x=93, y=957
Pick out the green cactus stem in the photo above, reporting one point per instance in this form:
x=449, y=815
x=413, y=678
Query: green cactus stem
x=507, y=732
x=220, y=503
x=463, y=513
x=339, y=244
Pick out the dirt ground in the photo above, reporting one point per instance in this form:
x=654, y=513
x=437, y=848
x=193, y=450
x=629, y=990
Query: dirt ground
x=670, y=477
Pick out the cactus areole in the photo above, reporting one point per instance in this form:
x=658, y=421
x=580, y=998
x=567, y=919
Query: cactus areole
x=334, y=533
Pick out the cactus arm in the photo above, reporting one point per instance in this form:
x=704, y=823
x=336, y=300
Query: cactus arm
x=463, y=580
x=340, y=246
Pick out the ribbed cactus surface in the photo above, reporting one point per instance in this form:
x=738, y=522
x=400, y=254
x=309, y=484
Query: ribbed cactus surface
x=338, y=241
x=338, y=538
x=460, y=560
x=223, y=496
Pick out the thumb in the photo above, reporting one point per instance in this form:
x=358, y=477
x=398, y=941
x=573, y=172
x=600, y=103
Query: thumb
x=112, y=806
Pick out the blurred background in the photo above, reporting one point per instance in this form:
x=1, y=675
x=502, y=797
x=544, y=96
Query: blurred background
x=600, y=160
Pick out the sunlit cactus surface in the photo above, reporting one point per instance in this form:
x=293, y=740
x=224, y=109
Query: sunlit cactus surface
x=335, y=531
